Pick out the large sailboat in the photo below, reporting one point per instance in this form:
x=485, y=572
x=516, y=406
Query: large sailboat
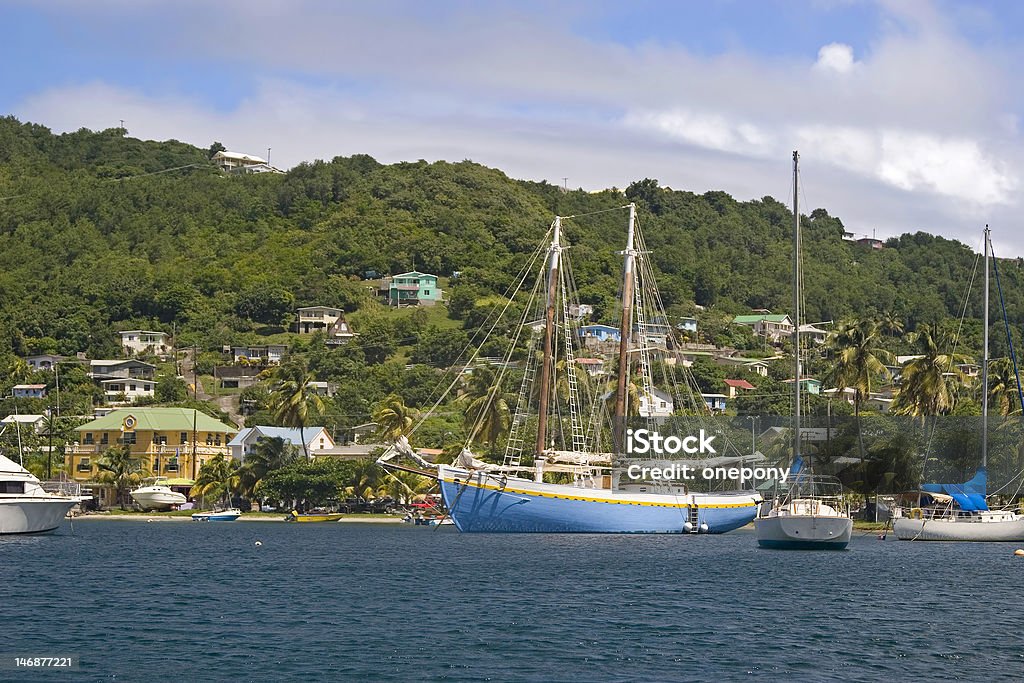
x=565, y=476
x=25, y=506
x=811, y=514
x=960, y=512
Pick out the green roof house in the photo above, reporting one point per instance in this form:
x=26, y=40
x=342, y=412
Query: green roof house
x=411, y=289
x=772, y=326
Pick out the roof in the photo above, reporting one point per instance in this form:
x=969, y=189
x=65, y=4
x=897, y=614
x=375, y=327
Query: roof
x=751, y=319
x=124, y=361
x=23, y=419
x=124, y=380
x=589, y=361
x=600, y=325
x=290, y=435
x=414, y=273
x=739, y=383
x=317, y=308
x=29, y=386
x=157, y=419
x=238, y=156
x=142, y=332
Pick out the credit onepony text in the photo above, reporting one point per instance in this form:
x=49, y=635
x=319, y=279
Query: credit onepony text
x=647, y=442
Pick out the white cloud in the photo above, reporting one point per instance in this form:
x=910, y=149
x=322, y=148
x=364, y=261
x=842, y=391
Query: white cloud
x=835, y=57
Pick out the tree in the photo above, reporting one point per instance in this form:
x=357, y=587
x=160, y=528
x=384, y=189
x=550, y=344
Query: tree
x=123, y=469
x=294, y=398
x=170, y=389
x=269, y=455
x=218, y=478
x=1002, y=386
x=925, y=390
x=394, y=419
x=407, y=486
x=216, y=147
x=488, y=416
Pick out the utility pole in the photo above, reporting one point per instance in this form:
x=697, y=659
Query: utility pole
x=195, y=374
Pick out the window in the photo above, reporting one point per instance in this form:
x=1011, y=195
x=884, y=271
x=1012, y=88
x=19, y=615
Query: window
x=209, y=439
x=156, y=464
x=161, y=440
x=84, y=465
x=216, y=440
x=104, y=438
x=128, y=439
x=88, y=439
x=426, y=292
x=172, y=465
x=12, y=487
x=184, y=437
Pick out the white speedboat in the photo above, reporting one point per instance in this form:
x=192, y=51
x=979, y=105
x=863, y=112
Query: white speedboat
x=157, y=496
x=25, y=507
x=228, y=515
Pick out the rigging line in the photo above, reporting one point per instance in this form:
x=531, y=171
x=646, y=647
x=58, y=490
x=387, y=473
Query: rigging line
x=475, y=353
x=594, y=213
x=117, y=180
x=1009, y=337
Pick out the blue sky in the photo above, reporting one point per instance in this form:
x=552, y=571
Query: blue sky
x=906, y=112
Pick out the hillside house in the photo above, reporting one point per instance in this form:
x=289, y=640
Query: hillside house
x=135, y=342
x=715, y=403
x=340, y=333
x=314, y=318
x=808, y=385
x=43, y=361
x=600, y=333
x=236, y=162
x=270, y=354
x=29, y=391
x=237, y=376
x=658, y=403
x=772, y=327
x=246, y=441
x=127, y=390
x=593, y=366
x=411, y=289
x=121, y=369
x=735, y=386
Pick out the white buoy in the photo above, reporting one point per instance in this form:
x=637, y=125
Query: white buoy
x=1018, y=552
x=687, y=527
x=704, y=527
x=259, y=542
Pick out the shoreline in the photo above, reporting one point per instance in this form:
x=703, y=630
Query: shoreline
x=140, y=517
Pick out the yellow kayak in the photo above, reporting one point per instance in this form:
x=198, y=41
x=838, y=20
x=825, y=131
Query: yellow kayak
x=294, y=516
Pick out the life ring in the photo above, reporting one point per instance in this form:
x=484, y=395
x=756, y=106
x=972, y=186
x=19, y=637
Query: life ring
x=915, y=513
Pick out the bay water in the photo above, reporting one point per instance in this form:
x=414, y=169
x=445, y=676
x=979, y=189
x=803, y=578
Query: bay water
x=247, y=601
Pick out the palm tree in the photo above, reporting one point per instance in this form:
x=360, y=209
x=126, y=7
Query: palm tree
x=488, y=416
x=218, y=477
x=927, y=380
x=293, y=397
x=1002, y=386
x=394, y=419
x=405, y=486
x=858, y=363
x=270, y=454
x=365, y=482
x=123, y=469
x=891, y=324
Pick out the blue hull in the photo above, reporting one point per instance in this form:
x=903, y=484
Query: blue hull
x=478, y=509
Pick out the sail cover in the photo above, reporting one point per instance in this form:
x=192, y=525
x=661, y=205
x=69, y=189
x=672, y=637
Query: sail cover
x=969, y=496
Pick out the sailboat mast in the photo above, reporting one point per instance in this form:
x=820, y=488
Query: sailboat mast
x=984, y=364
x=625, y=328
x=796, y=311
x=549, y=328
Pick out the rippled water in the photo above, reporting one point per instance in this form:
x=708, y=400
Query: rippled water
x=188, y=601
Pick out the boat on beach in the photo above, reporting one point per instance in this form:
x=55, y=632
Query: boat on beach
x=572, y=474
x=157, y=496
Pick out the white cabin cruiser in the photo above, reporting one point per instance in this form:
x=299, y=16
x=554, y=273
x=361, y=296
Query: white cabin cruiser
x=157, y=496
x=25, y=507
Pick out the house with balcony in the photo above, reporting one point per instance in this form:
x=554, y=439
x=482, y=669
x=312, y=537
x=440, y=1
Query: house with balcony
x=772, y=327
x=657, y=403
x=269, y=354
x=121, y=369
x=237, y=162
x=237, y=376
x=246, y=441
x=135, y=342
x=29, y=391
x=716, y=403
x=411, y=289
x=687, y=326
x=314, y=318
x=128, y=390
x=43, y=361
x=808, y=385
x=593, y=366
x=340, y=332
x=174, y=442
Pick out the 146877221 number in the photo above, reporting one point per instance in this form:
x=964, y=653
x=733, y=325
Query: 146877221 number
x=41, y=663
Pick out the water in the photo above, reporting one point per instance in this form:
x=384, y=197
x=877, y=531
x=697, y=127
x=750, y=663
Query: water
x=140, y=601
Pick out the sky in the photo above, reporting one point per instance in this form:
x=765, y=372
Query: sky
x=905, y=112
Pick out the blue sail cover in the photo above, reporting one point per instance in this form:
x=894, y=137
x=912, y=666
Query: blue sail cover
x=797, y=465
x=969, y=496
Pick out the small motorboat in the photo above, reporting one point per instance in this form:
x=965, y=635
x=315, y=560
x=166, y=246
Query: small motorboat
x=157, y=496
x=228, y=515
x=295, y=516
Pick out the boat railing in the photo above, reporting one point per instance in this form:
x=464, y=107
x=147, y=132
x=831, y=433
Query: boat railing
x=63, y=488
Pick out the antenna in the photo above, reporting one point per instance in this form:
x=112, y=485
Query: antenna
x=268, y=156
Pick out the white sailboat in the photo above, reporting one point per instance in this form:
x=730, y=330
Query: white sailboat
x=516, y=496
x=960, y=512
x=812, y=514
x=25, y=506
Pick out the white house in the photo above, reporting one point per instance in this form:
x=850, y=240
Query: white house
x=121, y=369
x=593, y=366
x=658, y=405
x=131, y=389
x=313, y=318
x=43, y=361
x=36, y=422
x=244, y=443
x=135, y=342
x=340, y=332
x=266, y=355
x=236, y=162
x=29, y=391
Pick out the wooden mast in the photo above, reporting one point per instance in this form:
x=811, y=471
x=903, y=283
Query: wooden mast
x=549, y=327
x=625, y=330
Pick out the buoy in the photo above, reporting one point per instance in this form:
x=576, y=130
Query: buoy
x=687, y=527
x=704, y=527
x=1018, y=552
x=259, y=542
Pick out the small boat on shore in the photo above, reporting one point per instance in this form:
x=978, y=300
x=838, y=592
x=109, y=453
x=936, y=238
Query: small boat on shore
x=295, y=516
x=228, y=515
x=157, y=496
